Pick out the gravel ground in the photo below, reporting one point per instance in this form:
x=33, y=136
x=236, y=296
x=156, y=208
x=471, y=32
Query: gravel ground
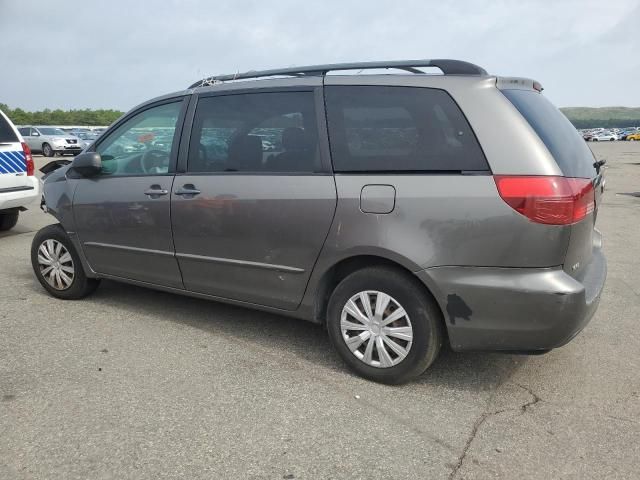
x=132, y=383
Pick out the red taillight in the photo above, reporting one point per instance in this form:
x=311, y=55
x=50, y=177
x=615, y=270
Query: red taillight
x=549, y=200
x=28, y=159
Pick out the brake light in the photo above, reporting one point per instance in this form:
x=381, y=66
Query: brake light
x=548, y=200
x=28, y=159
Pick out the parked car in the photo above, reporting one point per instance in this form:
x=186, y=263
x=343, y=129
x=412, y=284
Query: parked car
x=78, y=131
x=18, y=186
x=86, y=138
x=50, y=141
x=633, y=137
x=417, y=226
x=604, y=137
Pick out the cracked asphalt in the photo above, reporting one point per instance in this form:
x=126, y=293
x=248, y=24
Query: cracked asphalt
x=132, y=383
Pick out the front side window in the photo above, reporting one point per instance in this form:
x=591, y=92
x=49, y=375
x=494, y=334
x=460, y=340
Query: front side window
x=142, y=145
x=388, y=129
x=255, y=132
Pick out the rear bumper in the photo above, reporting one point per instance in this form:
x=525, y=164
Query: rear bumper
x=515, y=309
x=22, y=197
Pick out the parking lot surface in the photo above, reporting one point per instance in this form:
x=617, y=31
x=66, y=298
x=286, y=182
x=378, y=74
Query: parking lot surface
x=133, y=383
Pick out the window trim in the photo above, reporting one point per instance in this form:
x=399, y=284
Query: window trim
x=486, y=171
x=177, y=134
x=318, y=103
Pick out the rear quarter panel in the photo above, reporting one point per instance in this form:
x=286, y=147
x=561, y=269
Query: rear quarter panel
x=440, y=220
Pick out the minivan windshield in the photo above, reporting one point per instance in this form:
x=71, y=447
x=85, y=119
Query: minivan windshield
x=570, y=151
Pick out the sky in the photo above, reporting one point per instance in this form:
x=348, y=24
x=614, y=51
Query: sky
x=116, y=54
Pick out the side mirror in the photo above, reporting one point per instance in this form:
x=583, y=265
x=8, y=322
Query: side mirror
x=35, y=134
x=87, y=164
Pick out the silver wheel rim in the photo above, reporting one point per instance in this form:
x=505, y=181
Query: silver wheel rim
x=376, y=328
x=56, y=264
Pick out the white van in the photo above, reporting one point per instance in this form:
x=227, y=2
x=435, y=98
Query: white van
x=18, y=185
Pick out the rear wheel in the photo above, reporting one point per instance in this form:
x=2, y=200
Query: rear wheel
x=57, y=265
x=47, y=151
x=8, y=220
x=611, y=139
x=384, y=325
x=632, y=139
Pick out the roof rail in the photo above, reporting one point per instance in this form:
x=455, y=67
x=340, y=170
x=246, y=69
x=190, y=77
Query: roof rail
x=448, y=67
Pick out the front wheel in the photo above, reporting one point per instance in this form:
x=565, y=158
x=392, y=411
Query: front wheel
x=57, y=265
x=47, y=151
x=632, y=139
x=384, y=324
x=8, y=220
x=611, y=139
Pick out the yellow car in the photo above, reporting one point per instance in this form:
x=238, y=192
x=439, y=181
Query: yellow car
x=633, y=137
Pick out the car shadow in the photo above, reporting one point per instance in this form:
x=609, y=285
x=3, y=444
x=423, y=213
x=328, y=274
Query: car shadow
x=281, y=337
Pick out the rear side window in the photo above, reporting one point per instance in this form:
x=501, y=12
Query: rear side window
x=6, y=132
x=255, y=132
x=559, y=135
x=386, y=129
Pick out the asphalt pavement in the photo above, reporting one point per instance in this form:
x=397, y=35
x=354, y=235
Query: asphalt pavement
x=136, y=384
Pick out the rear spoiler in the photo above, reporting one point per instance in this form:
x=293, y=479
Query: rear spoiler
x=518, y=83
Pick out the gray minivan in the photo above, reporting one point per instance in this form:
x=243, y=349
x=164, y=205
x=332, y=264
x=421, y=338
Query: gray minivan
x=399, y=210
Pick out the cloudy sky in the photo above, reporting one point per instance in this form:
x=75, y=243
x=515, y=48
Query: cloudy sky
x=115, y=54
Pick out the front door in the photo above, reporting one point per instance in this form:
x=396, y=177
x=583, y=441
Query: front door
x=30, y=139
x=123, y=214
x=252, y=211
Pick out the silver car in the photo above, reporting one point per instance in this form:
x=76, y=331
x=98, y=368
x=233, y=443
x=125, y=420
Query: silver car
x=50, y=141
x=399, y=211
x=86, y=138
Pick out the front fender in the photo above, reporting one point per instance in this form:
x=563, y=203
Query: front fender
x=57, y=194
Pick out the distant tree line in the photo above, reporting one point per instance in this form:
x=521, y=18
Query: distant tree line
x=608, y=123
x=605, y=117
x=61, y=117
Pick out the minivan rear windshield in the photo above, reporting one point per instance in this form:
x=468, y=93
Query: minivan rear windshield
x=556, y=131
x=6, y=132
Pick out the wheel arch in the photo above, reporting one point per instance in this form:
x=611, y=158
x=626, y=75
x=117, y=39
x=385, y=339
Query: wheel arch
x=333, y=275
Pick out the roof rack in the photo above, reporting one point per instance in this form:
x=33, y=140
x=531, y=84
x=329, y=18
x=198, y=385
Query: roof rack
x=448, y=67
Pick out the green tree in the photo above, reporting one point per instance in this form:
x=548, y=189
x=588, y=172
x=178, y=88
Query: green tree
x=99, y=117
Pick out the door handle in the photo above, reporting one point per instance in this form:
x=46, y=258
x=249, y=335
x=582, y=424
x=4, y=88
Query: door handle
x=155, y=191
x=187, y=190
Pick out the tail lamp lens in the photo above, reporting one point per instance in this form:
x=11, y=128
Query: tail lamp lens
x=548, y=200
x=28, y=158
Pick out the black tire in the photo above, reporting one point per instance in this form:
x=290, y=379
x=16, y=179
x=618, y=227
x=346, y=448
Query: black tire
x=611, y=139
x=423, y=312
x=81, y=285
x=8, y=220
x=47, y=151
